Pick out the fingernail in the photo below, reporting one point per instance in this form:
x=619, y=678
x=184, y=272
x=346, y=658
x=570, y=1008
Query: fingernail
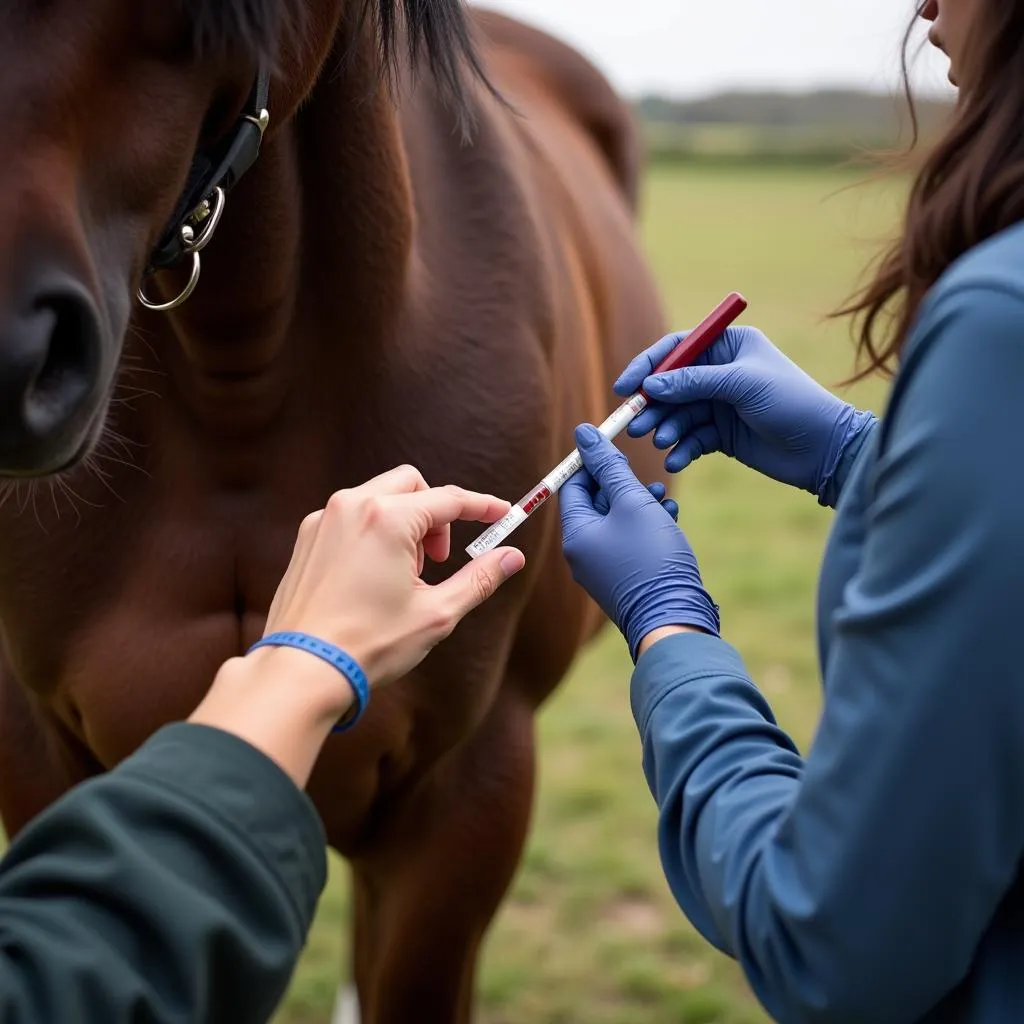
x=587, y=436
x=655, y=385
x=511, y=562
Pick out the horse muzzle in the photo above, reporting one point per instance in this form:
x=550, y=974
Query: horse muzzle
x=51, y=356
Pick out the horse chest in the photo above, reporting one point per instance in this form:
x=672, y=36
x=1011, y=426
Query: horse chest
x=119, y=611
x=120, y=621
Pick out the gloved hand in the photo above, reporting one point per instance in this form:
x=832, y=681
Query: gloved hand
x=625, y=549
x=658, y=491
x=748, y=400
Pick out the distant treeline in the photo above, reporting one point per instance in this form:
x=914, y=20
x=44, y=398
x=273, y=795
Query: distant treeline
x=823, y=127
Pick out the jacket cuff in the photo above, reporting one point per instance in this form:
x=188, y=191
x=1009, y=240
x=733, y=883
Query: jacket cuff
x=675, y=661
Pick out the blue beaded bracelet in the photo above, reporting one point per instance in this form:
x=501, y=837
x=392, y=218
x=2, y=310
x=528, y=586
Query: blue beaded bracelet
x=334, y=656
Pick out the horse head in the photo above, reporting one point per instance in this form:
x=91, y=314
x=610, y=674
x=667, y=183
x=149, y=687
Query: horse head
x=127, y=126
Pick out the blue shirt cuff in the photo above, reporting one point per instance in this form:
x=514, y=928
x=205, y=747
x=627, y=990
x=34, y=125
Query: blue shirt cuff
x=674, y=661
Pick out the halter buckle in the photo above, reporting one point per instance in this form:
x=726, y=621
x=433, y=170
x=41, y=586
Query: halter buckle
x=214, y=173
x=208, y=216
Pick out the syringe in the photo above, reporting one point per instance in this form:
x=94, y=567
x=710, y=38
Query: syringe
x=696, y=342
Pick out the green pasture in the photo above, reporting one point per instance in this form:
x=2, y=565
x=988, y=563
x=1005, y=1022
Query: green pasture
x=740, y=145
x=589, y=933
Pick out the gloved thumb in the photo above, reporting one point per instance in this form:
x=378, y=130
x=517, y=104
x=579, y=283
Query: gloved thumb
x=576, y=503
x=693, y=384
x=643, y=365
x=605, y=463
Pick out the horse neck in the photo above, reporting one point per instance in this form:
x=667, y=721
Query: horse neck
x=321, y=226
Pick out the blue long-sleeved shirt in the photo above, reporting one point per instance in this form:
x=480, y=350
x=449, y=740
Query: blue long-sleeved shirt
x=878, y=878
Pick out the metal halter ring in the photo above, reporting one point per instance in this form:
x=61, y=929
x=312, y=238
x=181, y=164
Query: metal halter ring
x=209, y=217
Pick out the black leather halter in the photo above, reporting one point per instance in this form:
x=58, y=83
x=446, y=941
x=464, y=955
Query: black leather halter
x=213, y=174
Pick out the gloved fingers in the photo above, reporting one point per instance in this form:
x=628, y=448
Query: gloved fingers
x=703, y=441
x=649, y=419
x=658, y=492
x=690, y=386
x=633, y=375
x=657, y=489
x=694, y=384
x=605, y=463
x=723, y=351
x=681, y=422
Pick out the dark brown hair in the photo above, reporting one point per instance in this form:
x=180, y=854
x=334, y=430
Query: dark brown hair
x=969, y=187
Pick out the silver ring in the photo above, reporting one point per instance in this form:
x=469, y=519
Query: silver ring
x=192, y=245
x=163, y=307
x=213, y=219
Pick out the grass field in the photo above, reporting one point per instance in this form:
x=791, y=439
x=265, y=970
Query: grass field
x=590, y=933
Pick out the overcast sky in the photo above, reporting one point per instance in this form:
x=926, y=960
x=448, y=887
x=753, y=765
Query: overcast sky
x=691, y=47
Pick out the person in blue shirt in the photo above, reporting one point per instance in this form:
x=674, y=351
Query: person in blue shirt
x=878, y=878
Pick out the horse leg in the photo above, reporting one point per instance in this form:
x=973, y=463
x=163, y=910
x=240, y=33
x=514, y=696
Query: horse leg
x=425, y=897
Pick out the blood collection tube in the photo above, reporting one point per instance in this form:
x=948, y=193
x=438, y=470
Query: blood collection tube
x=697, y=341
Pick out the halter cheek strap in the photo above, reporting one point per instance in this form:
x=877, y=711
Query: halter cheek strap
x=334, y=656
x=214, y=172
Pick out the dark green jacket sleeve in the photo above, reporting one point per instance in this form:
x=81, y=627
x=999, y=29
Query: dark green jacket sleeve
x=178, y=887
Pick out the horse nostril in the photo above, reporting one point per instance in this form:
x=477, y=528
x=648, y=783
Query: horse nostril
x=70, y=357
x=49, y=375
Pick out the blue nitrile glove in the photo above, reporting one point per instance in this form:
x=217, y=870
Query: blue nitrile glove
x=658, y=490
x=745, y=398
x=625, y=549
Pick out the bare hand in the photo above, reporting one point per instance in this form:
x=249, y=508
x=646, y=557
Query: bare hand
x=354, y=578
x=354, y=581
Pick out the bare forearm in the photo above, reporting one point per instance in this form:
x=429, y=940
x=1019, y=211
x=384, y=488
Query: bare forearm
x=281, y=701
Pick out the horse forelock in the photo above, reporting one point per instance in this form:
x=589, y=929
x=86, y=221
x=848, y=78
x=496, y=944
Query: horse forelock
x=256, y=27
x=435, y=30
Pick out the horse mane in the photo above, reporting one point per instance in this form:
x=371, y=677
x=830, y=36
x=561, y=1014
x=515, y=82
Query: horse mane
x=440, y=28
x=253, y=27
x=436, y=29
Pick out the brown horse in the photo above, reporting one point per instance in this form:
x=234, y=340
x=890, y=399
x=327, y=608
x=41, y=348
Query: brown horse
x=380, y=286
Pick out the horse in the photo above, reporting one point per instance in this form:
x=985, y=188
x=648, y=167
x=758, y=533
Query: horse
x=253, y=252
